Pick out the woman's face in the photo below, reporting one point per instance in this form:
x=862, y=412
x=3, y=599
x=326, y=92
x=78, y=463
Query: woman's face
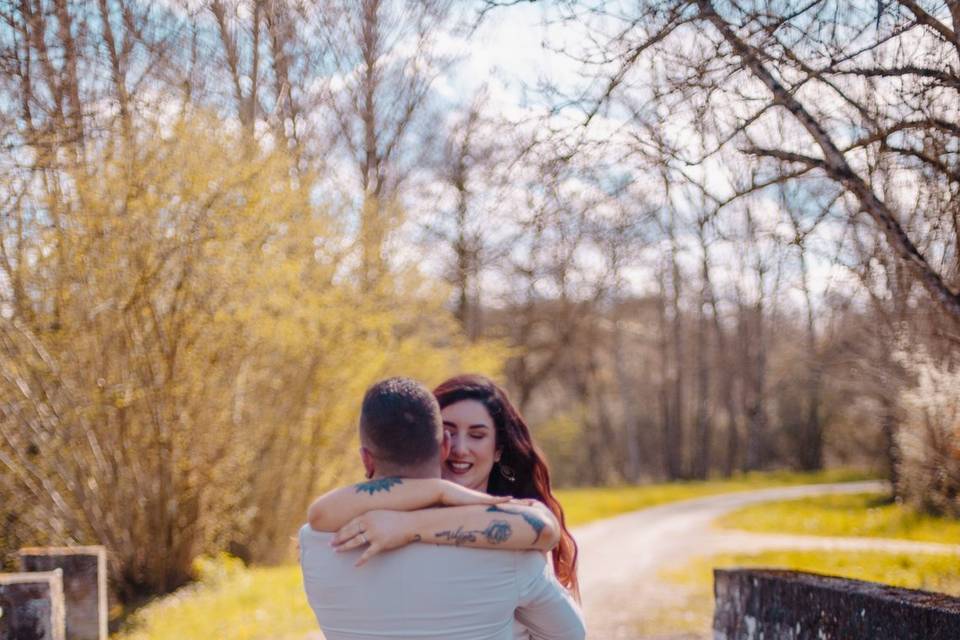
x=473, y=445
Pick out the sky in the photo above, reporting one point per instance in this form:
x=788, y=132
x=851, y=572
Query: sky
x=508, y=55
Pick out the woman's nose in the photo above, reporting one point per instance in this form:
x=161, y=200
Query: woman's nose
x=456, y=445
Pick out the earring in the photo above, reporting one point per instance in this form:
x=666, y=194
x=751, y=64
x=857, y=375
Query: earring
x=507, y=472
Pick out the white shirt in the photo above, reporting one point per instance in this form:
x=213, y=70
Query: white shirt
x=426, y=591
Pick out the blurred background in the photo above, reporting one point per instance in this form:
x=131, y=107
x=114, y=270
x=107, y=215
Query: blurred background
x=693, y=240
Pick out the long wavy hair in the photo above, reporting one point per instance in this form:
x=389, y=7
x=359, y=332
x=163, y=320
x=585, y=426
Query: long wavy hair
x=522, y=470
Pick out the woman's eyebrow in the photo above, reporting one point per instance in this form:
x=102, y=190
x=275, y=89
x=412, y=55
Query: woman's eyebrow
x=479, y=426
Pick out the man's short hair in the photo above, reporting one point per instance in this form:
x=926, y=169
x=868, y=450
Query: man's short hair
x=400, y=422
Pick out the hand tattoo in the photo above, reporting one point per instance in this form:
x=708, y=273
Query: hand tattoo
x=499, y=531
x=536, y=523
x=380, y=484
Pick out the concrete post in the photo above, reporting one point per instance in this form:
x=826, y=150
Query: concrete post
x=31, y=606
x=84, y=585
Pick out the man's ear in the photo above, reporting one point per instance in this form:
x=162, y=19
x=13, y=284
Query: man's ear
x=445, y=446
x=369, y=462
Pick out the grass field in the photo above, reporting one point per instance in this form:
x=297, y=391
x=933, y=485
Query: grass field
x=268, y=602
x=583, y=505
x=693, y=612
x=231, y=602
x=866, y=514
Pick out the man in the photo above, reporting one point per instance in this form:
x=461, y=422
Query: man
x=426, y=591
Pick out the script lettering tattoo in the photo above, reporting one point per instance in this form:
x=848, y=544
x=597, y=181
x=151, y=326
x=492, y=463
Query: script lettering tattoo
x=498, y=532
x=459, y=536
x=535, y=523
x=380, y=484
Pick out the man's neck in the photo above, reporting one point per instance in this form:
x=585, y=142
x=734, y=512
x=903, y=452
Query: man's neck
x=409, y=474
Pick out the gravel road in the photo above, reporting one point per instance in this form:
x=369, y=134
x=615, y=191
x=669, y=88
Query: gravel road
x=620, y=557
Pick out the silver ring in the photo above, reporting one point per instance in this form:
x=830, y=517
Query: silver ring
x=363, y=537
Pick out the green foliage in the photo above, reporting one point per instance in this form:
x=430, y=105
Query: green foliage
x=217, y=569
x=584, y=505
x=244, y=604
x=866, y=514
x=188, y=365
x=932, y=572
x=561, y=439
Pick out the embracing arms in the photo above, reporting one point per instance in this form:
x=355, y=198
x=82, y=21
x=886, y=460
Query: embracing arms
x=516, y=525
x=336, y=508
x=387, y=513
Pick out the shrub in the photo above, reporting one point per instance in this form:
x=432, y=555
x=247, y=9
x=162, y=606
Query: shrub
x=929, y=437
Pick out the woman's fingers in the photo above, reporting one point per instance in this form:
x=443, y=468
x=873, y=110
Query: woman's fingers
x=479, y=497
x=457, y=496
x=352, y=543
x=371, y=551
x=350, y=530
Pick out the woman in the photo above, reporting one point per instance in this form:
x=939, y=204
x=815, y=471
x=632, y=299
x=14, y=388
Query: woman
x=491, y=451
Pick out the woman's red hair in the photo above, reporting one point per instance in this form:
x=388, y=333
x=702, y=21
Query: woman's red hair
x=521, y=456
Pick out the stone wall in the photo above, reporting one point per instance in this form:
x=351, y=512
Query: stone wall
x=755, y=604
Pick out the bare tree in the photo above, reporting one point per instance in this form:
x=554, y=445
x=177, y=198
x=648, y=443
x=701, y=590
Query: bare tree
x=467, y=166
x=386, y=58
x=703, y=422
x=807, y=69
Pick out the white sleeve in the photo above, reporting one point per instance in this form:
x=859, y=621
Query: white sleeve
x=545, y=608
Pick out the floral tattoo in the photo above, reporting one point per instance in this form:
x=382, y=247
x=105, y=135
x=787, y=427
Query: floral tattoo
x=380, y=484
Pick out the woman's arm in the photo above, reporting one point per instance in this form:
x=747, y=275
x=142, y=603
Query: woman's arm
x=336, y=508
x=517, y=525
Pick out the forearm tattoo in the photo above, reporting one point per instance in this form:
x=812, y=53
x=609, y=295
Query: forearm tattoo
x=380, y=484
x=459, y=537
x=535, y=523
x=498, y=532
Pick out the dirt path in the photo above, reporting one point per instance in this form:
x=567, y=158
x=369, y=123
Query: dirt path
x=620, y=557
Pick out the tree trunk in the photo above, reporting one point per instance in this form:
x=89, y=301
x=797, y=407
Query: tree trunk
x=811, y=450
x=703, y=424
x=890, y=425
x=631, y=431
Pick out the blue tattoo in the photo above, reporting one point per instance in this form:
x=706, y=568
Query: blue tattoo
x=380, y=484
x=498, y=531
x=535, y=523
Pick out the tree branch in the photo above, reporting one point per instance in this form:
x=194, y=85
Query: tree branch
x=837, y=167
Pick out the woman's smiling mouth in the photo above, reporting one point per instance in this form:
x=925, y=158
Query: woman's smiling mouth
x=459, y=467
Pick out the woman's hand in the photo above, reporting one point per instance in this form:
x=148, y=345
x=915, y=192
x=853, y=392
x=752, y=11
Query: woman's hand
x=453, y=495
x=382, y=530
x=528, y=502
